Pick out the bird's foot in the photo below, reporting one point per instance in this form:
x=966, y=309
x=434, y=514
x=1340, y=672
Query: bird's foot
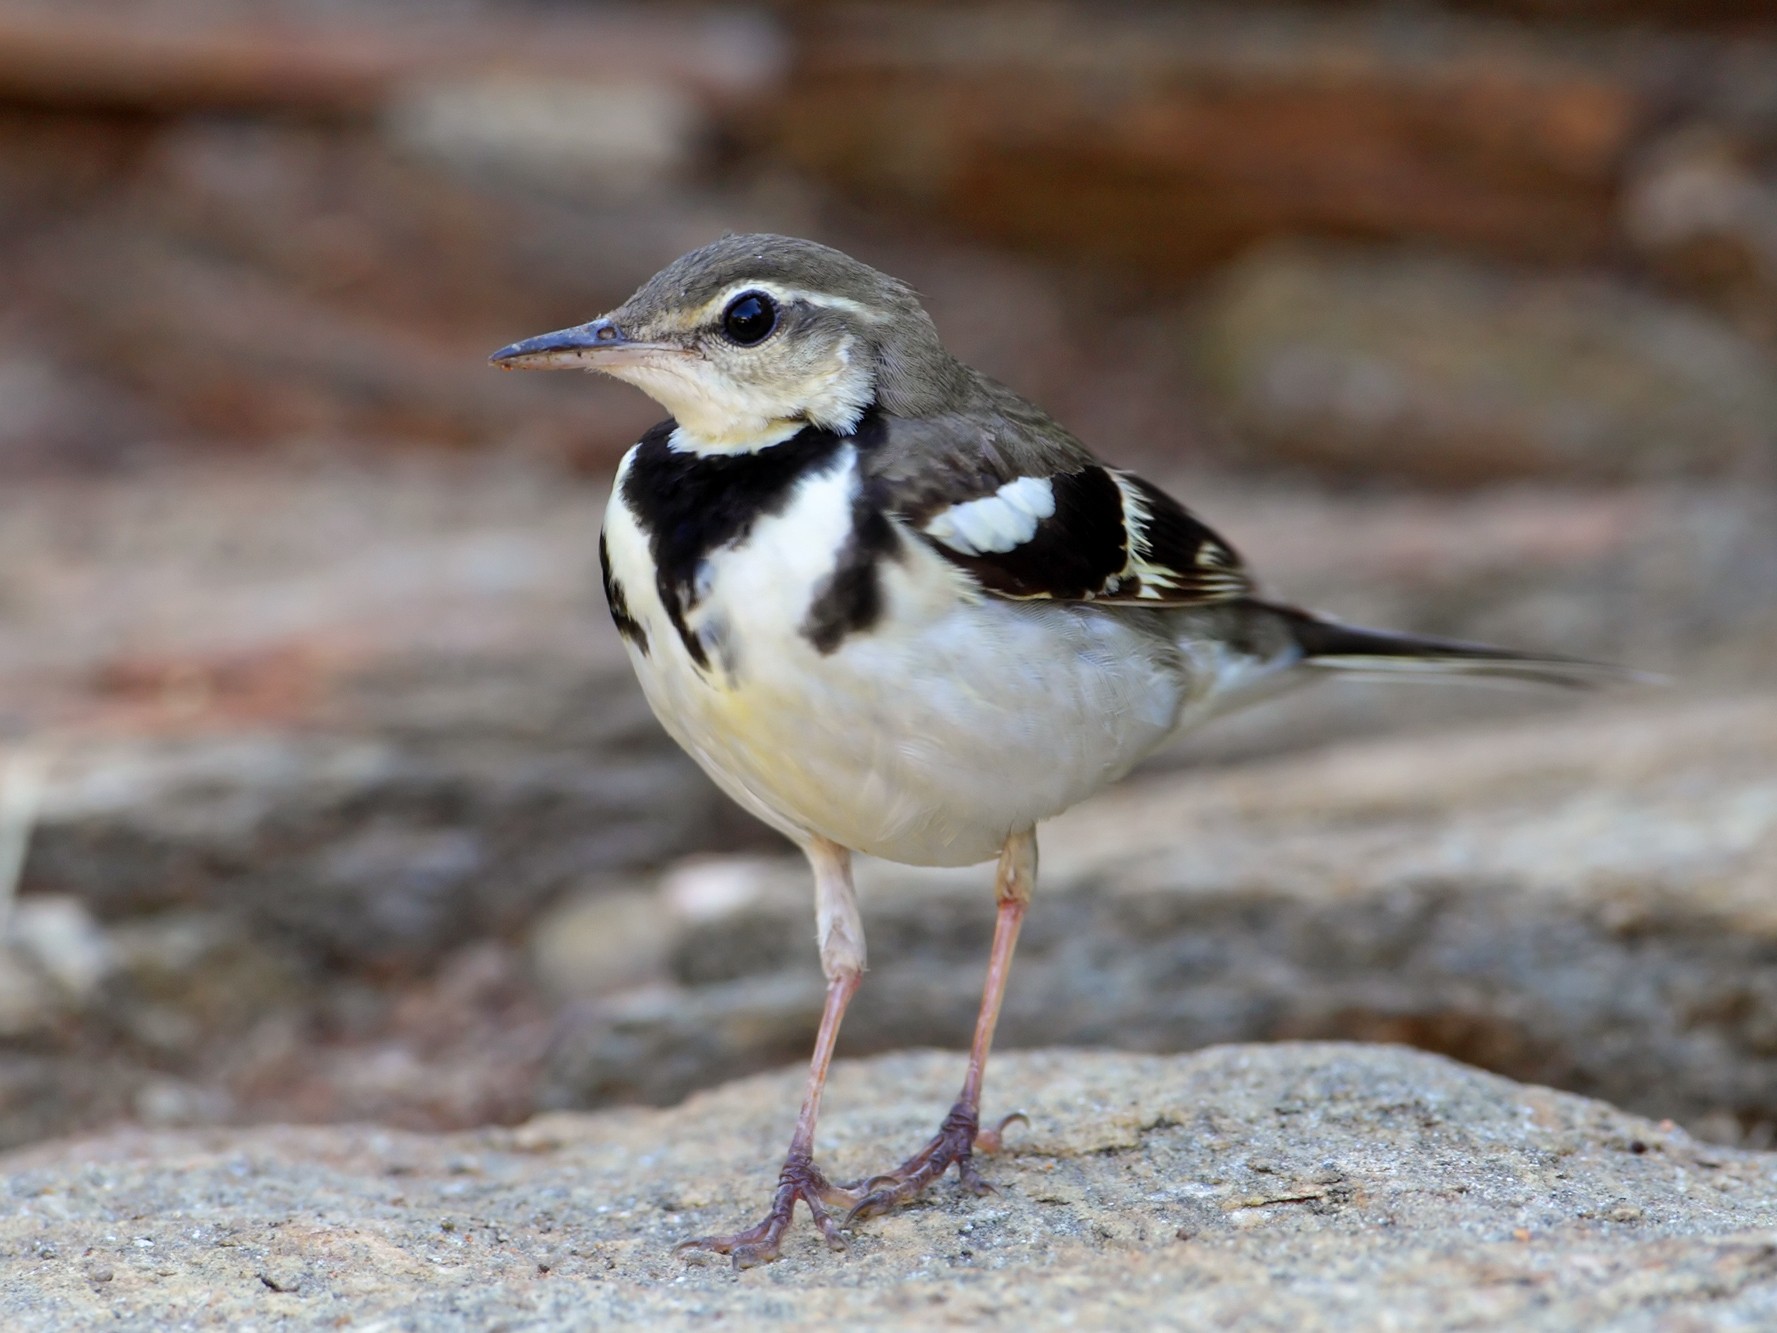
x=957, y=1141
x=799, y=1179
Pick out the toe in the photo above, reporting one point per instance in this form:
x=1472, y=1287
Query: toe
x=758, y=1244
x=694, y=1249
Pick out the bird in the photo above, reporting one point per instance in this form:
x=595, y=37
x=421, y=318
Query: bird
x=893, y=608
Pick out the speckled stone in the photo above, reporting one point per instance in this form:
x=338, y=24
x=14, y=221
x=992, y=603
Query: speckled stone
x=1299, y=1186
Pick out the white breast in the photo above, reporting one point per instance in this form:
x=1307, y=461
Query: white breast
x=953, y=721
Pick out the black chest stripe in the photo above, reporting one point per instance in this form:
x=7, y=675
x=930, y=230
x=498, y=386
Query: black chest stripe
x=691, y=505
x=850, y=601
x=627, y=625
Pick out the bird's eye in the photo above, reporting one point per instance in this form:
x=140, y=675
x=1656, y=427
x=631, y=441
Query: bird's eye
x=750, y=318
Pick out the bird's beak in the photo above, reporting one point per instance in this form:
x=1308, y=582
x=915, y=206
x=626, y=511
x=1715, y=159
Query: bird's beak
x=600, y=345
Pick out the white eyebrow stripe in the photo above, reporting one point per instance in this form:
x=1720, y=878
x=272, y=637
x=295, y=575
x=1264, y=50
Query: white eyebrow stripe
x=995, y=523
x=787, y=296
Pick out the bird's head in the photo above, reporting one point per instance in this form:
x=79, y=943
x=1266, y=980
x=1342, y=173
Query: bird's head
x=751, y=338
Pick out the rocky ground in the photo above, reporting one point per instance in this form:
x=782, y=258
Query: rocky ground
x=1285, y=1186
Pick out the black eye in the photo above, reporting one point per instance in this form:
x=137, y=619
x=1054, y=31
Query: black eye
x=750, y=318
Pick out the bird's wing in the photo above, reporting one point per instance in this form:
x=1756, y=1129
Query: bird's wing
x=1021, y=506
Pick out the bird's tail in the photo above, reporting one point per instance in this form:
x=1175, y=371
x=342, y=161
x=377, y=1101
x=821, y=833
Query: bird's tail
x=1328, y=645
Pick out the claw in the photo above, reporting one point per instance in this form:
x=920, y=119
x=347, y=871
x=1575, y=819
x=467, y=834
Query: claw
x=992, y=1140
x=872, y=1205
x=972, y=1180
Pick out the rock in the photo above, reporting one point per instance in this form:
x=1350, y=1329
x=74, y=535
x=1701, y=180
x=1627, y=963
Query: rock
x=375, y=853
x=1678, y=13
x=323, y=742
x=656, y=1044
x=27, y=1000
x=1232, y=1188
x=320, y=325
x=340, y=66
x=1697, y=207
x=249, y=356
x=1441, y=371
x=1168, y=138
x=53, y=958
x=274, y=708
x=600, y=940
x=233, y=258
x=50, y=416
x=1157, y=141
x=576, y=137
x=163, y=1102
x=1580, y=901
x=153, y=1017
x=60, y=938
x=189, y=982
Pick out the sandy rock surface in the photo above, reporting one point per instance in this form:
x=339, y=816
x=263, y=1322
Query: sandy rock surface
x=1299, y=1186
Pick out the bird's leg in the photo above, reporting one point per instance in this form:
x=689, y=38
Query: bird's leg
x=841, y=933
x=961, y=1133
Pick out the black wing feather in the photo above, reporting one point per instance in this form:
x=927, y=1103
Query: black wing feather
x=1178, y=559
x=1111, y=537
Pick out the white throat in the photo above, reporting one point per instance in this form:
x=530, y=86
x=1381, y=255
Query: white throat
x=718, y=414
x=688, y=440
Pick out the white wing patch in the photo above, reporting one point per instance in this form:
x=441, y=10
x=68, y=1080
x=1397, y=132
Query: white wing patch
x=995, y=523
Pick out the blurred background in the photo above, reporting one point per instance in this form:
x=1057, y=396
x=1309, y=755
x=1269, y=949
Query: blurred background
x=326, y=792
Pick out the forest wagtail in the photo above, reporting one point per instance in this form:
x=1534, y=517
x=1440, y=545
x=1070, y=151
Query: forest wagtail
x=892, y=607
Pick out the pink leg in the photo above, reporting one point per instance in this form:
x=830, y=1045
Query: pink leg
x=842, y=954
x=961, y=1133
